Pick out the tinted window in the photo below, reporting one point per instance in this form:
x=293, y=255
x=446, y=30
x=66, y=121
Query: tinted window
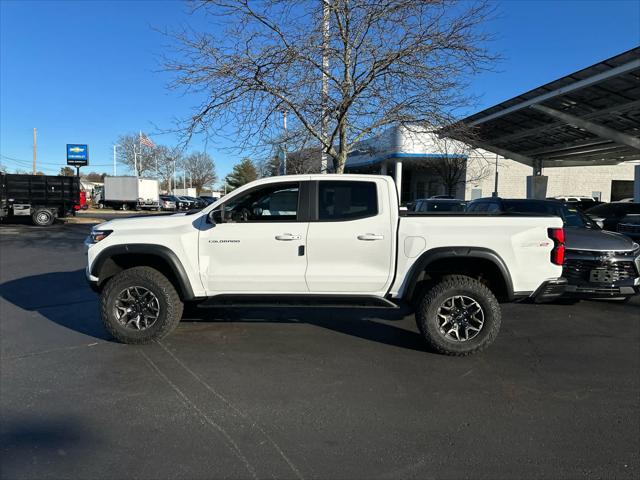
x=434, y=206
x=270, y=203
x=604, y=209
x=493, y=207
x=346, y=200
x=633, y=208
x=477, y=207
x=545, y=208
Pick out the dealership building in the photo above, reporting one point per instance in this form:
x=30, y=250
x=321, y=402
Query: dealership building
x=576, y=136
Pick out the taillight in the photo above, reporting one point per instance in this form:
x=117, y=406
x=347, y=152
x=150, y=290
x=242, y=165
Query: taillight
x=557, y=254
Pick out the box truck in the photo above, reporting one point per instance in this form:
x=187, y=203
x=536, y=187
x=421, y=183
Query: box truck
x=128, y=193
x=185, y=192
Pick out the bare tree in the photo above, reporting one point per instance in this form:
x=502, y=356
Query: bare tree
x=134, y=154
x=385, y=62
x=200, y=170
x=169, y=162
x=460, y=162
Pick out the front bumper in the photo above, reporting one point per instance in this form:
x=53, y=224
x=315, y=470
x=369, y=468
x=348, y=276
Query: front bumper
x=550, y=290
x=602, y=274
x=91, y=280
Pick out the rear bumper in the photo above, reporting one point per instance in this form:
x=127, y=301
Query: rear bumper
x=550, y=290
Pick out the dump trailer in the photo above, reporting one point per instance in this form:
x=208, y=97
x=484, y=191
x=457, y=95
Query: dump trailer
x=41, y=197
x=130, y=193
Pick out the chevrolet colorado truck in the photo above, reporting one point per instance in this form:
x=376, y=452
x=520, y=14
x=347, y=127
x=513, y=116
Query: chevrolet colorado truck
x=337, y=240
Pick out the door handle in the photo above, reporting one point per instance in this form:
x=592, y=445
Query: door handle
x=287, y=237
x=370, y=237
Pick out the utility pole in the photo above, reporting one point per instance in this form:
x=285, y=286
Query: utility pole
x=284, y=146
x=34, y=151
x=325, y=83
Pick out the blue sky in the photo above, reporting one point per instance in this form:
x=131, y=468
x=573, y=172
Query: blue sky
x=87, y=71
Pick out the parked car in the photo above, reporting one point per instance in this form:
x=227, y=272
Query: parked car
x=597, y=263
x=583, y=203
x=608, y=215
x=195, y=202
x=208, y=199
x=630, y=226
x=324, y=240
x=183, y=203
x=168, y=202
x=439, y=205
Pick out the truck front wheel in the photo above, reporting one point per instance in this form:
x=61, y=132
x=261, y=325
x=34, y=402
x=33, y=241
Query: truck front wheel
x=42, y=217
x=140, y=305
x=458, y=316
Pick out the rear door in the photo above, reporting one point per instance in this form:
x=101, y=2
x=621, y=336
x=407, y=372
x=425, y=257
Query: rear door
x=349, y=240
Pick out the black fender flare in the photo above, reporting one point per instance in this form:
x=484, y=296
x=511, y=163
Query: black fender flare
x=166, y=254
x=430, y=256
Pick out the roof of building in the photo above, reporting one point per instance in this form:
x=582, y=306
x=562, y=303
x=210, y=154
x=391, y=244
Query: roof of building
x=591, y=117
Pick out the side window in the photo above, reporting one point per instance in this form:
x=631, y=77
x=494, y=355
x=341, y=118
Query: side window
x=477, y=207
x=493, y=207
x=344, y=200
x=270, y=203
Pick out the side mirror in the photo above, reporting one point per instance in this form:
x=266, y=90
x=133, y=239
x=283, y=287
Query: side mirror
x=257, y=212
x=214, y=216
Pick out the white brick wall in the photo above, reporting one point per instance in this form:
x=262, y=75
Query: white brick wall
x=563, y=181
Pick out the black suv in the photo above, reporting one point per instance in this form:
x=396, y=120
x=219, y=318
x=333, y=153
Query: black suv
x=610, y=214
x=597, y=263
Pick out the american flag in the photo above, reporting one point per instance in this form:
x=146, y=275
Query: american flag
x=146, y=141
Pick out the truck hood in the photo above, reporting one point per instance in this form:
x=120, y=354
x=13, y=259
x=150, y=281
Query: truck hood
x=597, y=240
x=150, y=221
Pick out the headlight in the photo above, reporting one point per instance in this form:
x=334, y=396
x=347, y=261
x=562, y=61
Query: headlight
x=98, y=235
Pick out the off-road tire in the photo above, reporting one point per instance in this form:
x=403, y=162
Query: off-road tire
x=43, y=217
x=432, y=299
x=170, y=305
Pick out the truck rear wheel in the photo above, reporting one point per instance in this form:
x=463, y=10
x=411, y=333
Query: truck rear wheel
x=458, y=316
x=42, y=217
x=140, y=305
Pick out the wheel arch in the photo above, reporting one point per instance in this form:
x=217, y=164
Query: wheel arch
x=477, y=262
x=117, y=258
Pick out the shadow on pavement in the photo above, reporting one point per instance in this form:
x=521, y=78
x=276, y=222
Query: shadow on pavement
x=65, y=299
x=22, y=438
x=62, y=297
x=365, y=323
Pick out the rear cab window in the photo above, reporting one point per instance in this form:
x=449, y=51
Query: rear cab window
x=346, y=200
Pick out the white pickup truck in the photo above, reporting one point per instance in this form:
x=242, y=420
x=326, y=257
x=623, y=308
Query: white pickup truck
x=324, y=240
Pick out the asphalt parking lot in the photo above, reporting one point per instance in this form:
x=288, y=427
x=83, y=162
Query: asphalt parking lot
x=303, y=393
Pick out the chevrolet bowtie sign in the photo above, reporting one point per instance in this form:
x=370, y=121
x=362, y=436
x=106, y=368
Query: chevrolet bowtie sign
x=77, y=154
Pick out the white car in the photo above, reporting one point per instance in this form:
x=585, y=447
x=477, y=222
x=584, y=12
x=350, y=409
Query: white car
x=325, y=239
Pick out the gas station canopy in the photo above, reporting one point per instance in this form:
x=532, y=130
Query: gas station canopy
x=591, y=117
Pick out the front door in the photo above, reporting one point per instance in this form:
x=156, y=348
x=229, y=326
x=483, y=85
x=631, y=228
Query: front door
x=259, y=244
x=350, y=240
